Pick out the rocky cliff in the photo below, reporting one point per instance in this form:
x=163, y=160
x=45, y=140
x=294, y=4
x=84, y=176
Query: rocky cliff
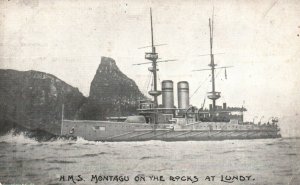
x=112, y=93
x=33, y=100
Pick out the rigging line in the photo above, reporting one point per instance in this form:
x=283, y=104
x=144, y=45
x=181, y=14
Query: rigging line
x=149, y=80
x=152, y=83
x=158, y=78
x=203, y=83
x=218, y=74
x=223, y=98
x=145, y=83
x=199, y=86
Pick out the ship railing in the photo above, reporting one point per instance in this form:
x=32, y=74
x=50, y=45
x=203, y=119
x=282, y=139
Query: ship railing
x=219, y=111
x=161, y=109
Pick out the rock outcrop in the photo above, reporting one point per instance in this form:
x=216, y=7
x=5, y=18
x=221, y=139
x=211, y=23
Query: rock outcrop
x=112, y=93
x=33, y=100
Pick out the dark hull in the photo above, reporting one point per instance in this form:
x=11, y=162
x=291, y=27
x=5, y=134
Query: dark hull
x=106, y=131
x=195, y=136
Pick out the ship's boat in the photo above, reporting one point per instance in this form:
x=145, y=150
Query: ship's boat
x=170, y=123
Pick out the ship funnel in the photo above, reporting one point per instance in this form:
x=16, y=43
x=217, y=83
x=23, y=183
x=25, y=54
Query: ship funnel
x=167, y=95
x=183, y=95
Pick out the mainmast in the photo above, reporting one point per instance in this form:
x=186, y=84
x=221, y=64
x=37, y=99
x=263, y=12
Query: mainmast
x=153, y=56
x=213, y=95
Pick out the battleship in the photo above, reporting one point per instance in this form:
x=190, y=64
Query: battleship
x=167, y=122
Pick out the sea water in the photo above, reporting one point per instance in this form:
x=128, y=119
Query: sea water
x=262, y=161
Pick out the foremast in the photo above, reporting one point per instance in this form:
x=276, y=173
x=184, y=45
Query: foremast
x=153, y=56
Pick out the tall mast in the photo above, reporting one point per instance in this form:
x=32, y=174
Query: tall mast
x=213, y=95
x=212, y=62
x=153, y=56
x=152, y=39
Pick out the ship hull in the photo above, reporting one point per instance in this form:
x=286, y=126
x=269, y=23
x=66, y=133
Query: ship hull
x=114, y=131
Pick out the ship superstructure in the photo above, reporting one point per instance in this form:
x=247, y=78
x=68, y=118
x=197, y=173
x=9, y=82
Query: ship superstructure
x=170, y=123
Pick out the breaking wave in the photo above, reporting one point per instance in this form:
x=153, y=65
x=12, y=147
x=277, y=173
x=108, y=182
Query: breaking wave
x=28, y=138
x=13, y=137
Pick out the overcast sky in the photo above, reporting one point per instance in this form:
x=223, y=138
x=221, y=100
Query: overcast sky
x=259, y=38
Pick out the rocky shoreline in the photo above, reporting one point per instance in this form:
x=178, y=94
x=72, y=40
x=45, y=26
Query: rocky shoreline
x=31, y=101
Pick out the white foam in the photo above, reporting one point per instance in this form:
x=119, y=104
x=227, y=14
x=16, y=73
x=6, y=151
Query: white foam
x=11, y=137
